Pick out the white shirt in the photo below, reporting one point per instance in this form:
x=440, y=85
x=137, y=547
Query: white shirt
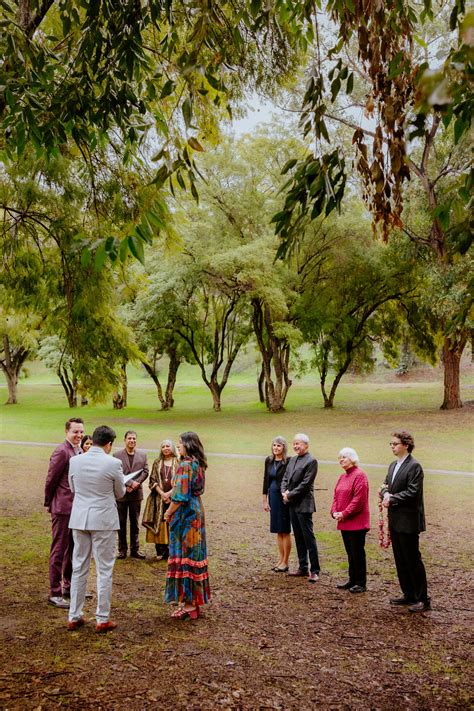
x=397, y=467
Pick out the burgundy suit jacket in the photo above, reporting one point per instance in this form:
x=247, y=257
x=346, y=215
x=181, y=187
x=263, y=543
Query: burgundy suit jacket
x=57, y=494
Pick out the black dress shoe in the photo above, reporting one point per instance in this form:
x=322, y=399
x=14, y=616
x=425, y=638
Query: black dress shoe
x=299, y=573
x=137, y=554
x=401, y=601
x=344, y=586
x=121, y=556
x=421, y=606
x=357, y=589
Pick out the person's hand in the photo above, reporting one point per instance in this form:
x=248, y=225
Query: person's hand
x=285, y=496
x=129, y=489
x=167, y=517
x=134, y=485
x=266, y=507
x=386, y=500
x=337, y=515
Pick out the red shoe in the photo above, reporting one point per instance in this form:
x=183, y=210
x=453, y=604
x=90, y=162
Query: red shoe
x=183, y=614
x=105, y=626
x=75, y=624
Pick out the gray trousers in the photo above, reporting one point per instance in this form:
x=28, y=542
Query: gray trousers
x=101, y=545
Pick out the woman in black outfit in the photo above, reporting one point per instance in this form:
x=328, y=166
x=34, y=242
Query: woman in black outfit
x=275, y=466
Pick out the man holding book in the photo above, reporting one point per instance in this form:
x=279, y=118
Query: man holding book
x=134, y=461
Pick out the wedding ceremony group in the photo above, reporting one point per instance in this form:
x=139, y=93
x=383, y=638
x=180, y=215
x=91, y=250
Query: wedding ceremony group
x=94, y=497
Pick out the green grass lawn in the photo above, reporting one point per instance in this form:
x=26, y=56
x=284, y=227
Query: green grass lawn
x=365, y=414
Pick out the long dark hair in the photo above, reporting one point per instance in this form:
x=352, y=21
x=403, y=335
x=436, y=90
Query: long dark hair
x=194, y=448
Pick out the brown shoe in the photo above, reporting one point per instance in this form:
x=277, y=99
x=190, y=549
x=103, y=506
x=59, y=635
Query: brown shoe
x=105, y=626
x=299, y=573
x=75, y=624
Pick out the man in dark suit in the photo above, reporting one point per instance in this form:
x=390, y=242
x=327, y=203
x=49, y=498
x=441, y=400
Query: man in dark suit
x=58, y=500
x=297, y=489
x=403, y=497
x=133, y=460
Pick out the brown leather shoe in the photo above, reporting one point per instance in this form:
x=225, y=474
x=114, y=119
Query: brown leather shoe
x=75, y=624
x=105, y=626
x=299, y=573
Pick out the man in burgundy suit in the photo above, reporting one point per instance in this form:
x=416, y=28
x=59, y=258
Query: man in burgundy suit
x=58, y=500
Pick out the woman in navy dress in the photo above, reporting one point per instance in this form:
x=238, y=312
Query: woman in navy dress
x=275, y=467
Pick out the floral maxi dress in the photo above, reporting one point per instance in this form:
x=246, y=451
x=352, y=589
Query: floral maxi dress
x=187, y=578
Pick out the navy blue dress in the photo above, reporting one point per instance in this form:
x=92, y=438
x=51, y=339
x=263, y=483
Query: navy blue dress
x=279, y=511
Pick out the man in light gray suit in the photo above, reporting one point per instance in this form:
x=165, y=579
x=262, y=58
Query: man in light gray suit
x=96, y=480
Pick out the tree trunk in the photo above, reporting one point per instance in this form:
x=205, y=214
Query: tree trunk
x=119, y=397
x=69, y=383
x=154, y=376
x=216, y=395
x=174, y=363
x=11, y=364
x=12, y=382
x=275, y=353
x=261, y=383
x=452, y=352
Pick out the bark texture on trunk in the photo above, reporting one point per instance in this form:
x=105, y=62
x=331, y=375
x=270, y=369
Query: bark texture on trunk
x=452, y=353
x=69, y=383
x=119, y=397
x=11, y=362
x=275, y=354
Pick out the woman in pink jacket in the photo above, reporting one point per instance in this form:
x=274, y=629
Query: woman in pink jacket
x=350, y=508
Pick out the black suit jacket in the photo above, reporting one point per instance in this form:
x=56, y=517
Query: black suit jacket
x=280, y=470
x=299, y=481
x=406, y=513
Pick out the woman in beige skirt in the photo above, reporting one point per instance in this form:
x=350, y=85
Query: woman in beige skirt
x=161, y=485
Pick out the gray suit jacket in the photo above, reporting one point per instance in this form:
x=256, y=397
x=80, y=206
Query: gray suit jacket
x=96, y=480
x=139, y=462
x=299, y=480
x=406, y=513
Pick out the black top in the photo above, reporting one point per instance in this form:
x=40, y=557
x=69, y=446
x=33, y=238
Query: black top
x=280, y=470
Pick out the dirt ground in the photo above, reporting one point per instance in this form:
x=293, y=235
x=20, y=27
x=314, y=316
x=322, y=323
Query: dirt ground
x=265, y=642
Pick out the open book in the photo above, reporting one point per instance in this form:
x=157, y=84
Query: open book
x=132, y=475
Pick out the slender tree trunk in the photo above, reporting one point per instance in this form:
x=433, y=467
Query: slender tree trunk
x=154, y=376
x=12, y=382
x=274, y=351
x=216, y=390
x=11, y=364
x=174, y=363
x=452, y=352
x=261, y=385
x=69, y=383
x=119, y=397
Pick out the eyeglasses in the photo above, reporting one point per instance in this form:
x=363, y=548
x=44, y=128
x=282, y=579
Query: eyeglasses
x=395, y=444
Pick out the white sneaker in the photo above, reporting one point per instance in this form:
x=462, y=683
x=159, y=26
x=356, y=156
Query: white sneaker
x=58, y=602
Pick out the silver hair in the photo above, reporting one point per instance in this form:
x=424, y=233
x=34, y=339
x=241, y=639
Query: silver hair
x=171, y=444
x=301, y=437
x=281, y=440
x=350, y=454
